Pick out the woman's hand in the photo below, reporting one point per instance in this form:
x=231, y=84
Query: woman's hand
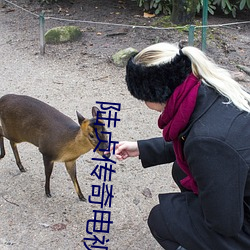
x=126, y=149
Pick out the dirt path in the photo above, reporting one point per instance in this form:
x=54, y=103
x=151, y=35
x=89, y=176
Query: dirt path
x=70, y=82
x=73, y=77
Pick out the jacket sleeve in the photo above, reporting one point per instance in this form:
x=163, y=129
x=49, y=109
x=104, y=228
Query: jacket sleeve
x=155, y=151
x=220, y=173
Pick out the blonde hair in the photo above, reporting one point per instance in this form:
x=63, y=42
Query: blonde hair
x=202, y=67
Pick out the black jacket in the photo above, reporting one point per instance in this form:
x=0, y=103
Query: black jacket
x=216, y=145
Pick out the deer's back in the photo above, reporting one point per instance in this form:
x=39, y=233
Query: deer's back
x=24, y=118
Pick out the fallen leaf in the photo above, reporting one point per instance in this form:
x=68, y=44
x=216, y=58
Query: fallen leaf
x=147, y=193
x=147, y=15
x=58, y=227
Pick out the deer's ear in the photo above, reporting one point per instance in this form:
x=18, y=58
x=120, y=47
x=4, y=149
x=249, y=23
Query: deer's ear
x=94, y=112
x=80, y=118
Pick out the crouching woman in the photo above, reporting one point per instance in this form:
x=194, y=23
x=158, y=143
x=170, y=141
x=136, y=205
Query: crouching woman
x=205, y=122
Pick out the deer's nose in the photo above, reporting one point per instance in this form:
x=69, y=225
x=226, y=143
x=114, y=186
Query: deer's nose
x=107, y=154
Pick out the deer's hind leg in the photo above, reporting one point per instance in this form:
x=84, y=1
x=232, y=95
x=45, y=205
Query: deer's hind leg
x=48, y=164
x=71, y=168
x=1, y=144
x=18, y=161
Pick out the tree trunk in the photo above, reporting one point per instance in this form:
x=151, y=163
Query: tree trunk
x=183, y=11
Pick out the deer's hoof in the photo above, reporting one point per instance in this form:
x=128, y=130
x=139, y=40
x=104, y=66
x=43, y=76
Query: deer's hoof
x=82, y=198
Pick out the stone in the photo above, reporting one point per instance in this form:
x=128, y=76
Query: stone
x=121, y=58
x=63, y=34
x=147, y=193
x=2, y=3
x=244, y=68
x=239, y=76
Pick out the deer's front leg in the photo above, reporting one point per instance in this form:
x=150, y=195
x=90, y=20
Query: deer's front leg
x=71, y=168
x=48, y=165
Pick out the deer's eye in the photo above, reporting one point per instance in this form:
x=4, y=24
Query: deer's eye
x=91, y=136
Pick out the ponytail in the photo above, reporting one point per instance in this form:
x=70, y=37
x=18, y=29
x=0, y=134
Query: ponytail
x=218, y=78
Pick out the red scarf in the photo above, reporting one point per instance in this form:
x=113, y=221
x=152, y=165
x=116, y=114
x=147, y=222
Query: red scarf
x=174, y=119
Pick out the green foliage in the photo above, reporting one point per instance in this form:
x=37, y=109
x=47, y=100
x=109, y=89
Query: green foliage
x=226, y=6
x=211, y=7
x=165, y=6
x=157, y=6
x=244, y=4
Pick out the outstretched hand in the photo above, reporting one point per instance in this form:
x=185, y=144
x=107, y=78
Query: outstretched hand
x=126, y=149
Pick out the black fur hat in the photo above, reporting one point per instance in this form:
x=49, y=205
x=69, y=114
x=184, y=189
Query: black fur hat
x=156, y=83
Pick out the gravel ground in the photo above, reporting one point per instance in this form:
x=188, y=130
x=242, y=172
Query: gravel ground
x=74, y=77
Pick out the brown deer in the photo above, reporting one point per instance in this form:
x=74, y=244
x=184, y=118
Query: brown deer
x=59, y=138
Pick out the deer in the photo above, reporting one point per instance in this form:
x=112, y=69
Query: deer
x=58, y=138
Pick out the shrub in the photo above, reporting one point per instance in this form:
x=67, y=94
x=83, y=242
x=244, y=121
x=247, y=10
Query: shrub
x=165, y=6
x=157, y=6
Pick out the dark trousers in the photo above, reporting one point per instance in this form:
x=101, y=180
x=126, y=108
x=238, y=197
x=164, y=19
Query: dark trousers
x=156, y=223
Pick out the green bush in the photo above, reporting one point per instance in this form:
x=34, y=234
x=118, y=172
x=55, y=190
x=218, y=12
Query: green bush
x=232, y=6
x=211, y=7
x=156, y=6
x=165, y=6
